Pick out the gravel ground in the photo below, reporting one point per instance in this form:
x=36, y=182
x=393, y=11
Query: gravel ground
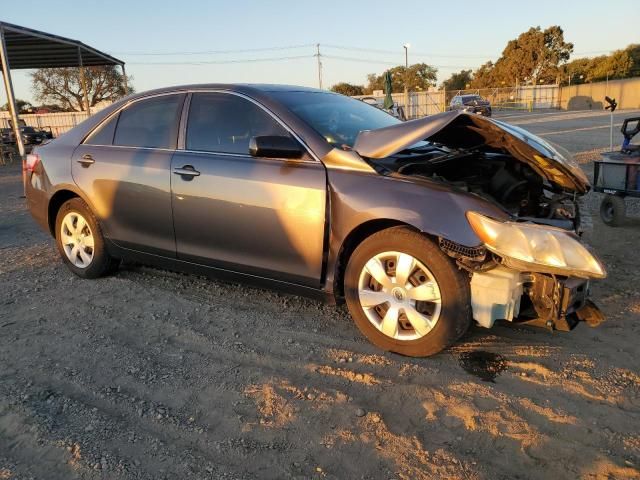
x=149, y=374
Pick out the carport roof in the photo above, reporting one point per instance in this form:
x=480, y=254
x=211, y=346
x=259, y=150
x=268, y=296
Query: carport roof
x=28, y=48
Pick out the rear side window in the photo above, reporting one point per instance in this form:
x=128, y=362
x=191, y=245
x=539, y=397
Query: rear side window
x=104, y=134
x=151, y=123
x=225, y=123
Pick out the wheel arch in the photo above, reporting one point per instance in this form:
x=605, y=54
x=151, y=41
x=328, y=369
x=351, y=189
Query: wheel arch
x=354, y=238
x=55, y=203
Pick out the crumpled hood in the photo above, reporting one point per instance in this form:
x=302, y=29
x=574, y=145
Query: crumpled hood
x=458, y=129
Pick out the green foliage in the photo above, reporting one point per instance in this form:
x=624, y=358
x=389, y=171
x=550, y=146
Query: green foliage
x=419, y=76
x=620, y=64
x=536, y=55
x=458, y=81
x=23, y=106
x=348, y=89
x=63, y=86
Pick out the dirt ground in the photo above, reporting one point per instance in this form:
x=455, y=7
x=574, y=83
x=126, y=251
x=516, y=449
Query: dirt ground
x=149, y=374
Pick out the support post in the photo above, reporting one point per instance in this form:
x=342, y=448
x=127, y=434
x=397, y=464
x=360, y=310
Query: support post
x=11, y=100
x=83, y=81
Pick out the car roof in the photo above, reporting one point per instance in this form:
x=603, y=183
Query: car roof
x=246, y=88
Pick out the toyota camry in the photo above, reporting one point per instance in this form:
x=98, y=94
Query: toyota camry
x=421, y=227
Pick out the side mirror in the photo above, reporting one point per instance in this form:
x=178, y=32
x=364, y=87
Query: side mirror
x=275, y=146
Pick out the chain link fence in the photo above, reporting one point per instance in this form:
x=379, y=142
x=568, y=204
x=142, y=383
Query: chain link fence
x=420, y=104
x=527, y=98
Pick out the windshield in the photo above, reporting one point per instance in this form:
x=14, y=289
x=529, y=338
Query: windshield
x=28, y=129
x=472, y=98
x=337, y=118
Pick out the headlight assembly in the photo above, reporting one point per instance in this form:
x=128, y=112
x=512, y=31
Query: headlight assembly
x=537, y=248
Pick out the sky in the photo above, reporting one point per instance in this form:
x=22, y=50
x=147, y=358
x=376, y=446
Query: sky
x=161, y=42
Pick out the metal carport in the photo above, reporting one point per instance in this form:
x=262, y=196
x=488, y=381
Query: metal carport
x=24, y=48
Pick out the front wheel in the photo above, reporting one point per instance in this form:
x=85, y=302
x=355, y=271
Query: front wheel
x=405, y=295
x=80, y=241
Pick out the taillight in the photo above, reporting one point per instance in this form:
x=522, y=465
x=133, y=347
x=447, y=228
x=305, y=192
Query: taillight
x=32, y=162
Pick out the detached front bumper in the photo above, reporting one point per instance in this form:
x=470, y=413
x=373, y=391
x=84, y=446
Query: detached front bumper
x=537, y=299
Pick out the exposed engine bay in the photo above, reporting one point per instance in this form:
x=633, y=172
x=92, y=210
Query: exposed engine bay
x=497, y=177
x=524, y=174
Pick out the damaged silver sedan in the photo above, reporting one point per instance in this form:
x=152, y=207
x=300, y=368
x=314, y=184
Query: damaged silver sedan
x=421, y=227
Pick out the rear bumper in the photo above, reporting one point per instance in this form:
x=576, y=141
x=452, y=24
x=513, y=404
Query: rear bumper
x=37, y=199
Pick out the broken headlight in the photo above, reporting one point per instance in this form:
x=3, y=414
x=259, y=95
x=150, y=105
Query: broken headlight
x=536, y=248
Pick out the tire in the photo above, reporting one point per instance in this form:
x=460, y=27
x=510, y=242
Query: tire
x=436, y=273
x=613, y=210
x=90, y=258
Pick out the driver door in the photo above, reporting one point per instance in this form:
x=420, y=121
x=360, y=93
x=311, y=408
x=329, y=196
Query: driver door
x=260, y=216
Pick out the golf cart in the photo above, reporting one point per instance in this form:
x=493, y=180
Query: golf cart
x=617, y=173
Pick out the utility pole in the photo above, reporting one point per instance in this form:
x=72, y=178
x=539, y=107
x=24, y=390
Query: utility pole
x=317, y=55
x=406, y=77
x=124, y=80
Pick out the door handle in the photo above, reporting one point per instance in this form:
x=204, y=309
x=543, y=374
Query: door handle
x=86, y=160
x=186, y=171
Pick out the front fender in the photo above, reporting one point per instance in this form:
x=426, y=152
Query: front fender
x=436, y=209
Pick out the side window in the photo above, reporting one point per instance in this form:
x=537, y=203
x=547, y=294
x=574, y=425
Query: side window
x=151, y=123
x=225, y=123
x=104, y=134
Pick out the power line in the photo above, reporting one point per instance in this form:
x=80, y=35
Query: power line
x=331, y=46
x=222, y=62
x=215, y=52
x=397, y=52
x=382, y=62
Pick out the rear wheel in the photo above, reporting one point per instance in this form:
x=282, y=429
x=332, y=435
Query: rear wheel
x=405, y=295
x=613, y=210
x=80, y=241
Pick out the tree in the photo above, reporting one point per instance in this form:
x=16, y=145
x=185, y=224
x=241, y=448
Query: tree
x=22, y=105
x=63, y=86
x=578, y=70
x=348, y=89
x=48, y=108
x=484, y=76
x=458, y=81
x=420, y=76
x=536, y=55
x=623, y=63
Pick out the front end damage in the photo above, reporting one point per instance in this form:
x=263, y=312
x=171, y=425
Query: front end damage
x=529, y=268
x=539, y=299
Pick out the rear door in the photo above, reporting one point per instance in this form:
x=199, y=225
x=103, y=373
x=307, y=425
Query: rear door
x=123, y=167
x=261, y=216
